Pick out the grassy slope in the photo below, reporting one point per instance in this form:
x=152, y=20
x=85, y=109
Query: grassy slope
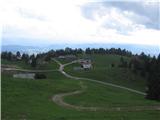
x=21, y=64
x=51, y=65
x=63, y=61
x=31, y=99
x=106, y=96
x=103, y=71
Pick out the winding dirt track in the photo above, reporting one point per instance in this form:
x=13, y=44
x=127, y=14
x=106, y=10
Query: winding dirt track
x=58, y=98
x=61, y=69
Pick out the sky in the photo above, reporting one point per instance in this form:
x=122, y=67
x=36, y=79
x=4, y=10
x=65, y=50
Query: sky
x=45, y=22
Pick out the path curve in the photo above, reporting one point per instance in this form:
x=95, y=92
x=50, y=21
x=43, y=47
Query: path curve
x=61, y=69
x=58, y=98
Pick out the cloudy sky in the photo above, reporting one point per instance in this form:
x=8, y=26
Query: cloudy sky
x=80, y=21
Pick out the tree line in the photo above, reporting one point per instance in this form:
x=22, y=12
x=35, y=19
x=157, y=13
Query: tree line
x=149, y=68
x=66, y=51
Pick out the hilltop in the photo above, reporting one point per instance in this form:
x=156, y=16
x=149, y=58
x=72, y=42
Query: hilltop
x=113, y=88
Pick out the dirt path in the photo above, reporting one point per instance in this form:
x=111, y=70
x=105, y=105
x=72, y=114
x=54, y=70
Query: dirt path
x=61, y=69
x=58, y=98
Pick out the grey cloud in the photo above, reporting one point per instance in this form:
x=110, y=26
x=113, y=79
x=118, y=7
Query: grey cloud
x=147, y=15
x=150, y=11
x=89, y=9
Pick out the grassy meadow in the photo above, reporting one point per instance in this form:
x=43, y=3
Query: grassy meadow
x=21, y=64
x=26, y=99
x=103, y=71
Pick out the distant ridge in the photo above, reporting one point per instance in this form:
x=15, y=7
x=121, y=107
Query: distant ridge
x=22, y=49
x=136, y=49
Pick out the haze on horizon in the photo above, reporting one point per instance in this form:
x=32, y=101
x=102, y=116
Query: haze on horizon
x=80, y=22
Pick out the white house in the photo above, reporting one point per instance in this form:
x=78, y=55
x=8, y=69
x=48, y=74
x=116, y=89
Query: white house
x=19, y=58
x=86, y=64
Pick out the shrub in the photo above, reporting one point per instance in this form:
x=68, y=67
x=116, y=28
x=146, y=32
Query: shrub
x=40, y=76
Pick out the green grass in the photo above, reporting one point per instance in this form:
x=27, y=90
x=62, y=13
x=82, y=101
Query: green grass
x=107, y=96
x=51, y=65
x=103, y=71
x=63, y=61
x=19, y=64
x=31, y=99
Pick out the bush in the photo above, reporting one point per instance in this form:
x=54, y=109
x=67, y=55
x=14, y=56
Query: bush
x=40, y=76
x=112, y=64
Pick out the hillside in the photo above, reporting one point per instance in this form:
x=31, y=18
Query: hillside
x=33, y=99
x=103, y=71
